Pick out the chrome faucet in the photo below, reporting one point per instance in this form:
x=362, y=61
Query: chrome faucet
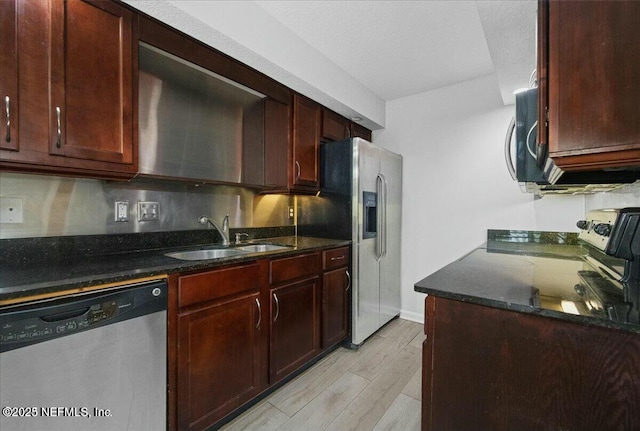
x=224, y=231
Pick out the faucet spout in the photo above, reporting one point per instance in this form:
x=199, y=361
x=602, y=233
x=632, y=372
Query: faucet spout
x=223, y=231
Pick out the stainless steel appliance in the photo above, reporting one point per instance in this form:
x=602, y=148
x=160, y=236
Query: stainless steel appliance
x=529, y=165
x=363, y=184
x=616, y=232
x=89, y=362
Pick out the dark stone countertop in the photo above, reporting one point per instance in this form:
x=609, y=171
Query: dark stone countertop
x=535, y=273
x=42, y=266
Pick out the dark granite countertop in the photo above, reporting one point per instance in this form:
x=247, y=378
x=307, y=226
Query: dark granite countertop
x=542, y=273
x=37, y=267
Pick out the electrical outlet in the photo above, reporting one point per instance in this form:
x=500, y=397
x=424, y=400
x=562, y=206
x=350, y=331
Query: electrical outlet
x=148, y=211
x=10, y=210
x=122, y=211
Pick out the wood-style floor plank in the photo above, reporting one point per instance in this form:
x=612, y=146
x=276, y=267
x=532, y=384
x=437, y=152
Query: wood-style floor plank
x=404, y=414
x=335, y=394
x=320, y=412
x=372, y=403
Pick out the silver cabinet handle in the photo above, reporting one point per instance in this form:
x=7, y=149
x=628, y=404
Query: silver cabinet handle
x=275, y=296
x=58, y=128
x=297, y=170
x=337, y=258
x=7, y=110
x=348, y=280
x=259, y=313
x=507, y=149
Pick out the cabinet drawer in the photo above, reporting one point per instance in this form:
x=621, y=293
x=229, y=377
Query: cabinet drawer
x=290, y=268
x=336, y=258
x=217, y=284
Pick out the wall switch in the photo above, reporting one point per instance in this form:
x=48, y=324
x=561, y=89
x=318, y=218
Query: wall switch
x=122, y=211
x=148, y=211
x=10, y=210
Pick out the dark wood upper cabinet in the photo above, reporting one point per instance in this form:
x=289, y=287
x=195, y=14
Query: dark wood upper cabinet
x=592, y=83
x=305, y=144
x=358, y=131
x=277, y=138
x=9, y=75
x=91, y=110
x=334, y=127
x=76, y=93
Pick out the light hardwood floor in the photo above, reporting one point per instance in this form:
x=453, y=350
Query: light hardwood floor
x=374, y=388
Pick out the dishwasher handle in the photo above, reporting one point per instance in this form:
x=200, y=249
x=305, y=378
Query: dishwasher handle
x=72, y=314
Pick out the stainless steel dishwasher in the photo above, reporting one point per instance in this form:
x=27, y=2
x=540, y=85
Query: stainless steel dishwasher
x=88, y=362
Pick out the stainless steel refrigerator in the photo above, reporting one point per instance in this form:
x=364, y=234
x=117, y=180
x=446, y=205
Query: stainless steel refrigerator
x=361, y=196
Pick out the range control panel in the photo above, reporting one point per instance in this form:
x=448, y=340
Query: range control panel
x=596, y=229
x=616, y=232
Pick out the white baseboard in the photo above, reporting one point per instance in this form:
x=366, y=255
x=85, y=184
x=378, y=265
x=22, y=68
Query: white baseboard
x=410, y=315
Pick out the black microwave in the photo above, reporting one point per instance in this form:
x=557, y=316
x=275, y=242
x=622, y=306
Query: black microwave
x=540, y=173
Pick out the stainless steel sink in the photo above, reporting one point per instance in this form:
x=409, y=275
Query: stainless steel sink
x=218, y=253
x=261, y=248
x=212, y=253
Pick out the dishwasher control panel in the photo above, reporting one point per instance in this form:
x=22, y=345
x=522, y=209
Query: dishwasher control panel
x=37, y=323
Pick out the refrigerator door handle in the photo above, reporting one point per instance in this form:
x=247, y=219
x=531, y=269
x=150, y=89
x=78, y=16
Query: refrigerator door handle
x=382, y=210
x=379, y=227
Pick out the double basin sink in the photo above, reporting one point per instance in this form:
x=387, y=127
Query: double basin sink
x=221, y=252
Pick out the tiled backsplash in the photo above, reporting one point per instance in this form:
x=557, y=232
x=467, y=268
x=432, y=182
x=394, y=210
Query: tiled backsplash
x=628, y=196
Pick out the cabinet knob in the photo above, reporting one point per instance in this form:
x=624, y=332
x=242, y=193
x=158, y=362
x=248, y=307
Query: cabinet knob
x=582, y=224
x=603, y=229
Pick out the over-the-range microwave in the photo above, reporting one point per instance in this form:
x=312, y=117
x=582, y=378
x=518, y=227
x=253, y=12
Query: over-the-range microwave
x=544, y=177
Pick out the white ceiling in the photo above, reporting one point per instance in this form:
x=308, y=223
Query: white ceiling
x=353, y=56
x=399, y=48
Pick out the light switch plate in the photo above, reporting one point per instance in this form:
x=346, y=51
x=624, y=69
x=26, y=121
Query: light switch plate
x=11, y=210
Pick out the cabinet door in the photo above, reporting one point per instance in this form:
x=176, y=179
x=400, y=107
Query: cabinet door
x=334, y=127
x=8, y=75
x=507, y=370
x=335, y=287
x=593, y=84
x=358, y=131
x=306, y=138
x=91, y=81
x=294, y=333
x=276, y=143
x=219, y=359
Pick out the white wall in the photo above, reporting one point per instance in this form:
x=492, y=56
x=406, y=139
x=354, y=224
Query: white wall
x=455, y=183
x=246, y=32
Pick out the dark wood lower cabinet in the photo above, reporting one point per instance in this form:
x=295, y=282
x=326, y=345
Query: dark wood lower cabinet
x=295, y=327
x=219, y=360
x=492, y=369
x=335, y=285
